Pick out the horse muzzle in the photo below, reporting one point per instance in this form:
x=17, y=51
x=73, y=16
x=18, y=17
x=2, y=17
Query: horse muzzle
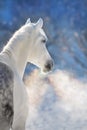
x=48, y=66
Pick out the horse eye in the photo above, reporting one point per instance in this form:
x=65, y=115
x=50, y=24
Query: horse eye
x=44, y=41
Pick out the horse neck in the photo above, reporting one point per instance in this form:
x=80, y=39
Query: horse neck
x=18, y=52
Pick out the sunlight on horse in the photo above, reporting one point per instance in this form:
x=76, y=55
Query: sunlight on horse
x=28, y=44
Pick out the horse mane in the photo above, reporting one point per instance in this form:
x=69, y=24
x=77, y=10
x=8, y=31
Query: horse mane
x=16, y=38
x=10, y=44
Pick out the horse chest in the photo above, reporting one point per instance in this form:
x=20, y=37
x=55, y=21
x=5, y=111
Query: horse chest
x=6, y=93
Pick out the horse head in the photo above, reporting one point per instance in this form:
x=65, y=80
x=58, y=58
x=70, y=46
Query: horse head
x=38, y=53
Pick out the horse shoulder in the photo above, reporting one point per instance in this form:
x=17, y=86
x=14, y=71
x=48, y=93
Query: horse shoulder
x=6, y=92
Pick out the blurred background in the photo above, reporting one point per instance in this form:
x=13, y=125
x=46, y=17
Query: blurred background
x=59, y=100
x=65, y=23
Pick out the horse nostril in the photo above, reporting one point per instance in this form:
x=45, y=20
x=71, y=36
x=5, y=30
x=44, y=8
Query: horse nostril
x=49, y=65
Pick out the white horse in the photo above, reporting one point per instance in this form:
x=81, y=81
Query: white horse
x=28, y=44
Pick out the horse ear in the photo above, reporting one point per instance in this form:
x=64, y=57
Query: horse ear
x=39, y=23
x=28, y=21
